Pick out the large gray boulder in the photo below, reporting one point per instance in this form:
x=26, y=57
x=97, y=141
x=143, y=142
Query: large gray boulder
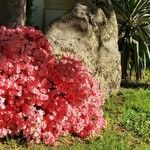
x=90, y=31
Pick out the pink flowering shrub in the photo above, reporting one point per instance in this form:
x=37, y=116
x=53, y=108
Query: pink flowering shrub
x=43, y=98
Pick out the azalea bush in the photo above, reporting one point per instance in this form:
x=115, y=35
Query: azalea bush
x=43, y=98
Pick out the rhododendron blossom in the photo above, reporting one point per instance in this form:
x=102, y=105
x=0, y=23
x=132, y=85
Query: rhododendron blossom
x=43, y=98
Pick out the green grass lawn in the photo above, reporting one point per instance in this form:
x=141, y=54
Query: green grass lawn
x=128, y=127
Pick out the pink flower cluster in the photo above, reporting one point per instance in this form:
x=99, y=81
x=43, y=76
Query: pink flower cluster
x=43, y=98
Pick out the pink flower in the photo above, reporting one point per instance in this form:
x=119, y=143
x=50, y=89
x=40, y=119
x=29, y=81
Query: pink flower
x=41, y=97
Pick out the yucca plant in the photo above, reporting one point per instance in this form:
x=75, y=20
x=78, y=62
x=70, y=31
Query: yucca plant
x=134, y=35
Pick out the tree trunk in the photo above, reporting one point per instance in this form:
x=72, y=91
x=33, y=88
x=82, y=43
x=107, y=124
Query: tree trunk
x=12, y=13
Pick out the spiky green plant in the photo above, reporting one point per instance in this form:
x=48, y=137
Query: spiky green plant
x=134, y=35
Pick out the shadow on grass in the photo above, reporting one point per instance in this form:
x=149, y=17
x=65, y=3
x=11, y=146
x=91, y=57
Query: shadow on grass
x=19, y=140
x=135, y=85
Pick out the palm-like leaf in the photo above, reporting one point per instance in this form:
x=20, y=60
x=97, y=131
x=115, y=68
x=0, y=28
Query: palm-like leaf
x=134, y=26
